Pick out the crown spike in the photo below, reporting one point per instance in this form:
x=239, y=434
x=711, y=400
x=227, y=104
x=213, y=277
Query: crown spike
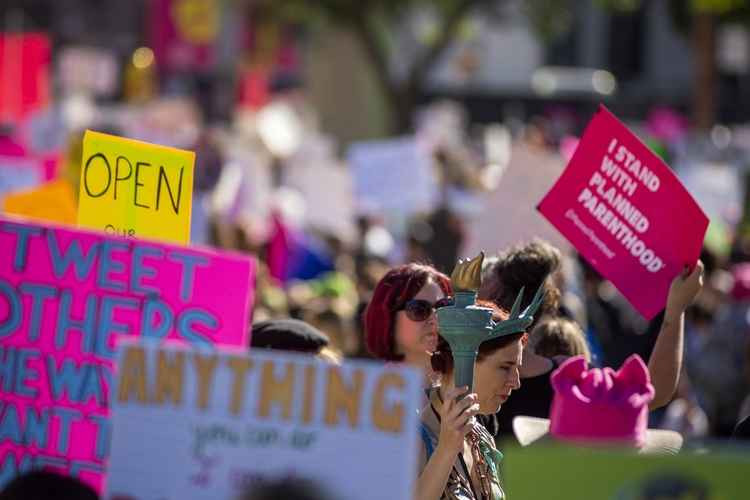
x=535, y=303
x=517, y=304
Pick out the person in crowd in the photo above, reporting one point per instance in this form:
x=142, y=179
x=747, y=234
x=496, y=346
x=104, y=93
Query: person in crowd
x=46, y=485
x=684, y=414
x=400, y=322
x=531, y=266
x=458, y=457
x=292, y=335
x=600, y=407
x=286, y=488
x=528, y=266
x=718, y=353
x=555, y=337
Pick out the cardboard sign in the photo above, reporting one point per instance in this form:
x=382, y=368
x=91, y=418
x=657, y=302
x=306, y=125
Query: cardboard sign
x=191, y=424
x=625, y=211
x=393, y=176
x=135, y=189
x=65, y=297
x=529, y=175
x=53, y=201
x=330, y=209
x=88, y=69
x=571, y=474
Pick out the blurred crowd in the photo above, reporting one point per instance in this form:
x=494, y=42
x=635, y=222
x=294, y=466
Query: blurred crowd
x=262, y=187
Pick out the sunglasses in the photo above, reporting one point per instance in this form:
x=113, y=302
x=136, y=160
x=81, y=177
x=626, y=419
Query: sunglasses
x=421, y=310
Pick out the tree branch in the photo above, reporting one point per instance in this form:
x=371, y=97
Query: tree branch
x=377, y=54
x=448, y=31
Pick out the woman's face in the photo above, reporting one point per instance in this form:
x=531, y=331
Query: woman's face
x=418, y=339
x=496, y=375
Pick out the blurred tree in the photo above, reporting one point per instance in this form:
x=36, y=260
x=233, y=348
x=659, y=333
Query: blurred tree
x=373, y=22
x=698, y=20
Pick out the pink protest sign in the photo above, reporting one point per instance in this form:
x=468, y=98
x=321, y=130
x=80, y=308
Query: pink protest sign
x=65, y=296
x=625, y=211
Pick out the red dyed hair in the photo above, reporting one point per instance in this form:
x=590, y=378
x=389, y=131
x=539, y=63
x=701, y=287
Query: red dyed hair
x=398, y=286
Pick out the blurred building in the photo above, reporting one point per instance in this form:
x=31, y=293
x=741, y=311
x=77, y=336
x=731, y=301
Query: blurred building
x=495, y=69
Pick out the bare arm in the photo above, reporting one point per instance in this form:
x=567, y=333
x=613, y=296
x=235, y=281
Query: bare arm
x=455, y=422
x=665, y=362
x=431, y=483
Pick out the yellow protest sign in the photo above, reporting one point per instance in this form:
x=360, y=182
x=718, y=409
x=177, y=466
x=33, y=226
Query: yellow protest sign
x=53, y=201
x=135, y=189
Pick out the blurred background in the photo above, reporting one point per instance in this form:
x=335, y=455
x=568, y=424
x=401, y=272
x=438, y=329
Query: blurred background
x=337, y=138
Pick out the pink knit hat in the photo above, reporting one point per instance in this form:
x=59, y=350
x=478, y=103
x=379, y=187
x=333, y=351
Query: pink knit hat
x=600, y=406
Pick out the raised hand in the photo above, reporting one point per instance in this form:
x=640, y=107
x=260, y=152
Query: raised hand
x=684, y=289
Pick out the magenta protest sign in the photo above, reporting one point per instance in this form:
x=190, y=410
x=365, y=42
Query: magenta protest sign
x=626, y=212
x=65, y=296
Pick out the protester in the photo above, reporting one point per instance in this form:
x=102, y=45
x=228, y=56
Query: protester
x=400, y=323
x=45, y=485
x=525, y=266
x=458, y=458
x=600, y=408
x=288, y=489
x=534, y=262
x=292, y=335
x=559, y=337
x=684, y=414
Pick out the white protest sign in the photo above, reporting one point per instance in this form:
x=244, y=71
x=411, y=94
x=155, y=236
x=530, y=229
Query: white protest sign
x=393, y=176
x=508, y=216
x=88, y=69
x=208, y=425
x=327, y=187
x=717, y=187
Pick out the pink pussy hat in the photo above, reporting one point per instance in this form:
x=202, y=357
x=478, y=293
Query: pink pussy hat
x=600, y=406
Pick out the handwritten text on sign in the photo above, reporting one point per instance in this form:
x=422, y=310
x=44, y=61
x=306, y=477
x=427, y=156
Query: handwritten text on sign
x=135, y=189
x=65, y=296
x=234, y=418
x=626, y=213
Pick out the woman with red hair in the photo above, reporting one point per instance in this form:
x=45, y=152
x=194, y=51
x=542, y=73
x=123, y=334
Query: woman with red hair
x=400, y=322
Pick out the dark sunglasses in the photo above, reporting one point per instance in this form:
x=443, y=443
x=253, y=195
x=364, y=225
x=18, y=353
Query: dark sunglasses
x=421, y=310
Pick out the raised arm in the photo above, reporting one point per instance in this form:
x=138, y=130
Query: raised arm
x=665, y=362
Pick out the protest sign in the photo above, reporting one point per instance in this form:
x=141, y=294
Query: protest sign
x=52, y=202
x=330, y=209
x=135, y=189
x=626, y=212
x=65, y=296
x=717, y=187
x=88, y=69
x=393, y=175
x=528, y=176
x=24, y=74
x=183, y=33
x=571, y=474
x=190, y=424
